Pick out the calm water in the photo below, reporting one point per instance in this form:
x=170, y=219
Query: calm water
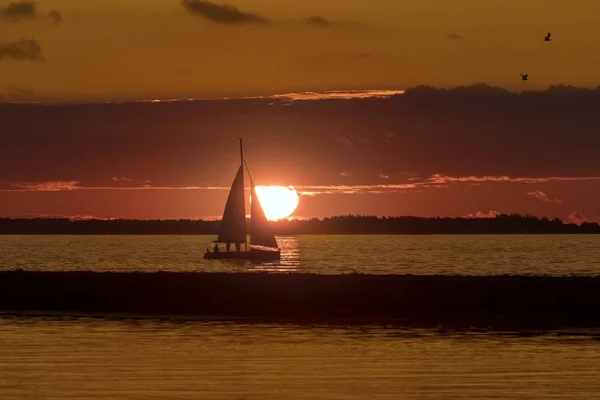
x=61, y=358
x=327, y=254
x=87, y=358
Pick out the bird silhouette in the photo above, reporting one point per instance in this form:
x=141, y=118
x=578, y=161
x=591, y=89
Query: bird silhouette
x=524, y=76
x=547, y=37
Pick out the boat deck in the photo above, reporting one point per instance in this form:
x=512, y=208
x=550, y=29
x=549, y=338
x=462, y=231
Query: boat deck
x=252, y=254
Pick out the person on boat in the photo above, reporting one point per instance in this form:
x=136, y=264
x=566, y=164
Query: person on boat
x=237, y=247
x=216, y=248
x=228, y=247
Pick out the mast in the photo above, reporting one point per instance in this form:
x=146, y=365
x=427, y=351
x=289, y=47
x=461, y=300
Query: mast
x=241, y=153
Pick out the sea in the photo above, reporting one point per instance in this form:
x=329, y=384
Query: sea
x=123, y=357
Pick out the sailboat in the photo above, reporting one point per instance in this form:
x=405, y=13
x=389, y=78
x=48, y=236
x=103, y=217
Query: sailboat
x=232, y=230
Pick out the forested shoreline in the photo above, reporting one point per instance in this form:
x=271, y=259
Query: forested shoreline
x=350, y=224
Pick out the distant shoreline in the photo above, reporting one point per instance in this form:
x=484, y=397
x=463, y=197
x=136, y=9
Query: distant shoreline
x=340, y=225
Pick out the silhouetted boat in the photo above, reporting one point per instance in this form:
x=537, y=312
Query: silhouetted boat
x=232, y=230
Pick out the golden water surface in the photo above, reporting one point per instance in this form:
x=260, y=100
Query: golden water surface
x=84, y=358
x=323, y=254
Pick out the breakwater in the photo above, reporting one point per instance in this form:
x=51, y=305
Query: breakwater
x=497, y=302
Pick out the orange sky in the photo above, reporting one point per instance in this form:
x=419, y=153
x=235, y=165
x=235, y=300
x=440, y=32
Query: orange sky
x=428, y=152
x=423, y=153
x=131, y=49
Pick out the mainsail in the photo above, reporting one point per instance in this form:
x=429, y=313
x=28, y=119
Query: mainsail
x=260, y=234
x=233, y=224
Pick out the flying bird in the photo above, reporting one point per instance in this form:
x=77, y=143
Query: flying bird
x=547, y=37
x=524, y=76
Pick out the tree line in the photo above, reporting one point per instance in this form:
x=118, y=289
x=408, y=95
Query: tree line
x=349, y=224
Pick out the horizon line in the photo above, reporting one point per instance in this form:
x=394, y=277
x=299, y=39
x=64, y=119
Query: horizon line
x=306, y=95
x=492, y=214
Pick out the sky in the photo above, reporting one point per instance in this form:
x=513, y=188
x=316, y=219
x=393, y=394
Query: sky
x=449, y=145
x=88, y=50
x=467, y=151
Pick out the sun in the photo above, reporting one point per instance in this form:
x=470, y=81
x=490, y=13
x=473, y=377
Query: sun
x=277, y=201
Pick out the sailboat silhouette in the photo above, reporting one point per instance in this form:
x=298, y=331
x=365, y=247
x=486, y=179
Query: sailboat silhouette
x=232, y=230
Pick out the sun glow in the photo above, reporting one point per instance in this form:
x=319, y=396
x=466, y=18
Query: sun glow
x=277, y=201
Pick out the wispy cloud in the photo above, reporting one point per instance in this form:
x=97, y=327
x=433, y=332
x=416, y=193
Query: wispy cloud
x=454, y=36
x=353, y=189
x=538, y=194
x=345, y=140
x=436, y=181
x=390, y=138
x=411, y=182
x=352, y=140
x=222, y=13
x=576, y=218
x=52, y=186
x=76, y=217
x=318, y=21
x=55, y=186
x=22, y=50
x=338, y=94
x=479, y=214
x=479, y=180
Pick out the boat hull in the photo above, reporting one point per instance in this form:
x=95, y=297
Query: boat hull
x=252, y=254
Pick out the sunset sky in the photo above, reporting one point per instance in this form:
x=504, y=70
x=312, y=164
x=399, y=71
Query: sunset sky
x=131, y=49
x=427, y=152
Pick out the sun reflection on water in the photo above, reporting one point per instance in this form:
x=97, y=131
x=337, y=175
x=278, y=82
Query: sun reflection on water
x=289, y=260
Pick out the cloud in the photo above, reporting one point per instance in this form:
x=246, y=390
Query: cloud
x=576, y=218
x=479, y=180
x=409, y=184
x=18, y=11
x=479, y=214
x=27, y=10
x=222, y=13
x=55, y=16
x=338, y=95
x=315, y=190
x=345, y=140
x=57, y=186
x=317, y=21
x=351, y=140
x=465, y=136
x=52, y=186
x=453, y=36
x=437, y=181
x=390, y=138
x=538, y=194
x=23, y=50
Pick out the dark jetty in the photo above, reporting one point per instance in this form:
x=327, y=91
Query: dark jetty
x=497, y=302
